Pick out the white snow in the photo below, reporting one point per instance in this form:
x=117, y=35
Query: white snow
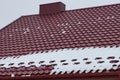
x=69, y=55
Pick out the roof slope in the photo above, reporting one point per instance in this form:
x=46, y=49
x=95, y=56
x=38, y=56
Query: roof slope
x=77, y=61
x=91, y=27
x=63, y=38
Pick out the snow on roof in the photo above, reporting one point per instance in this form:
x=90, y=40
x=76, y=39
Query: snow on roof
x=69, y=60
x=76, y=41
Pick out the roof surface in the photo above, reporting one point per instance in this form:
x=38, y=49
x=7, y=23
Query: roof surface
x=89, y=60
x=76, y=41
x=91, y=27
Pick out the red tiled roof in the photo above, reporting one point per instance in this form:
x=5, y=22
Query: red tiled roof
x=25, y=71
x=90, y=27
x=77, y=61
x=95, y=29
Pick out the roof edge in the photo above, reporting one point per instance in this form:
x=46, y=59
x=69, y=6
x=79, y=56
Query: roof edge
x=75, y=9
x=117, y=74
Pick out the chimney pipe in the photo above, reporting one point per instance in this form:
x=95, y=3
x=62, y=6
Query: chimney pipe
x=52, y=8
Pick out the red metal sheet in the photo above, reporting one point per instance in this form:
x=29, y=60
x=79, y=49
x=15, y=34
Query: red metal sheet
x=91, y=27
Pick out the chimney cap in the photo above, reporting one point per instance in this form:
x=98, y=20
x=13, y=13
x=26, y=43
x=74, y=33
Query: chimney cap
x=51, y=8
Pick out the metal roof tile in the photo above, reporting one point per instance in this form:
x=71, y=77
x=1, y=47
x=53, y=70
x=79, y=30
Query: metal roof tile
x=90, y=27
